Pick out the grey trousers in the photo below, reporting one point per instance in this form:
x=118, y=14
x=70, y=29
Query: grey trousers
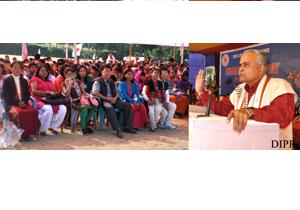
x=111, y=115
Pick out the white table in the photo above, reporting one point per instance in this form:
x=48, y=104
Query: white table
x=214, y=133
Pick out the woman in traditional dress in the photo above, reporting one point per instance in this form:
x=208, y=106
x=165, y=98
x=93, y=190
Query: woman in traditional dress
x=74, y=89
x=180, y=97
x=140, y=80
x=129, y=92
x=16, y=95
x=84, y=78
x=50, y=116
x=60, y=79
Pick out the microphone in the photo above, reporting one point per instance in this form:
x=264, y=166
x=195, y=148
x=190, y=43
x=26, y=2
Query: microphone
x=213, y=90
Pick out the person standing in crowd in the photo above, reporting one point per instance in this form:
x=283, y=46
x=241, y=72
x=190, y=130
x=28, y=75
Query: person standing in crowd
x=136, y=58
x=84, y=78
x=50, y=116
x=16, y=95
x=111, y=58
x=74, y=89
x=105, y=88
x=258, y=97
x=129, y=93
x=154, y=94
x=146, y=59
x=169, y=106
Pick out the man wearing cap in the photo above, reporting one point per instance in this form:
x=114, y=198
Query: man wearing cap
x=258, y=97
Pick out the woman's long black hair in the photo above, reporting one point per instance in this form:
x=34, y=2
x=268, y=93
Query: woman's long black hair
x=125, y=72
x=37, y=73
x=86, y=75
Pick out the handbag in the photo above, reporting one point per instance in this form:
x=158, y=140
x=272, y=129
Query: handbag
x=88, y=100
x=55, y=99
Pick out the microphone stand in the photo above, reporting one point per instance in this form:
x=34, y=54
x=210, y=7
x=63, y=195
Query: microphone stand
x=213, y=90
x=207, y=112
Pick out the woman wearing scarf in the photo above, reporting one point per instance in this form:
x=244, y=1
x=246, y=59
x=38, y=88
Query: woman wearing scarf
x=84, y=78
x=74, y=89
x=50, y=116
x=139, y=78
x=129, y=93
x=16, y=96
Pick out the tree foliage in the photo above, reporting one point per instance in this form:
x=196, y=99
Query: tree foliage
x=99, y=49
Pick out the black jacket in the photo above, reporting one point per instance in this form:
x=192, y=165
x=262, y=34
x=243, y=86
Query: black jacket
x=103, y=88
x=9, y=92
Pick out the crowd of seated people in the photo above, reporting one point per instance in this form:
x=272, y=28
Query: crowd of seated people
x=41, y=95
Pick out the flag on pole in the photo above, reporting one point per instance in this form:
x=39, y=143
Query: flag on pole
x=174, y=51
x=67, y=48
x=39, y=51
x=181, y=52
x=94, y=56
x=130, y=51
x=24, y=52
x=76, y=50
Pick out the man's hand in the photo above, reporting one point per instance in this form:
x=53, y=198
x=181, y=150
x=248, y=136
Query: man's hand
x=69, y=82
x=113, y=100
x=137, y=106
x=50, y=93
x=200, y=82
x=240, y=118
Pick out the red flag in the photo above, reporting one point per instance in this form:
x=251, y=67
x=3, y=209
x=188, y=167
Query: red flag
x=24, y=52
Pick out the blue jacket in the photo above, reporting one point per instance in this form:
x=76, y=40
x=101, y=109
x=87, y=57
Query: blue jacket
x=123, y=89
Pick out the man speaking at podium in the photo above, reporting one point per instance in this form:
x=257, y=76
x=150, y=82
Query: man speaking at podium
x=258, y=97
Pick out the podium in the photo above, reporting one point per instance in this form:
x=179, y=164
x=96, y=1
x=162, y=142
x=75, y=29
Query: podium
x=215, y=133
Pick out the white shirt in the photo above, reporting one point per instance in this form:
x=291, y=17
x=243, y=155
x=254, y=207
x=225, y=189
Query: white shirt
x=17, y=82
x=110, y=59
x=144, y=93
